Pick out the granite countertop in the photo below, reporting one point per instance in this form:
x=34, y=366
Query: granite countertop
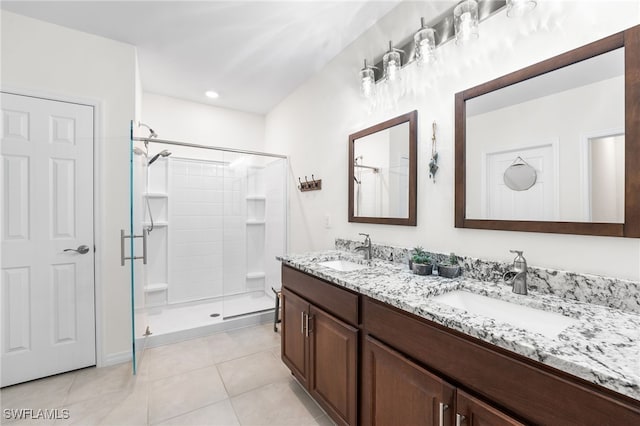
x=603, y=346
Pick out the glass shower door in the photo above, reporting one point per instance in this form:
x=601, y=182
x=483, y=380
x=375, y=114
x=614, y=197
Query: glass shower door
x=134, y=243
x=253, y=233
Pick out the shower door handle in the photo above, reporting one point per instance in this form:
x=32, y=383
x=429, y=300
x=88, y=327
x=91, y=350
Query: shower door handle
x=144, y=236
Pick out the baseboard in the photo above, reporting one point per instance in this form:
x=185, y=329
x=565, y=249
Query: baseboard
x=115, y=358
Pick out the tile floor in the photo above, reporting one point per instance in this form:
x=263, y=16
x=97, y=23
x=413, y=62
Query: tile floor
x=230, y=378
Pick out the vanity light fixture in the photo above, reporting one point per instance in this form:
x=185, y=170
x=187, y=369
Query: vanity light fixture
x=391, y=63
x=368, y=81
x=465, y=21
x=425, y=44
x=517, y=8
x=212, y=94
x=460, y=22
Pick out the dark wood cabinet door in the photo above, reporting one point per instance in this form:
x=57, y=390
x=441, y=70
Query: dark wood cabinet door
x=295, y=352
x=333, y=346
x=477, y=413
x=400, y=392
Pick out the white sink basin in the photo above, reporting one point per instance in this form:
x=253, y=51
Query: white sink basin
x=547, y=323
x=343, y=265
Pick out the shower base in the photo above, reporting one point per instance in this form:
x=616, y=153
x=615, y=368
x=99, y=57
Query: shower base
x=175, y=323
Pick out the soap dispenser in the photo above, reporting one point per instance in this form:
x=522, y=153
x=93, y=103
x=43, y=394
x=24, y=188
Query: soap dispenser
x=519, y=263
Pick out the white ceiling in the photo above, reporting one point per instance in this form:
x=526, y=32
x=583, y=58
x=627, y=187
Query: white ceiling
x=253, y=53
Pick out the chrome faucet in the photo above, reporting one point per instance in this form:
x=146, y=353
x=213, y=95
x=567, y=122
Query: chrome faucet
x=366, y=247
x=517, y=277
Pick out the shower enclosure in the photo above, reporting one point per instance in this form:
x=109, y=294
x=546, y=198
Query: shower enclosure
x=214, y=219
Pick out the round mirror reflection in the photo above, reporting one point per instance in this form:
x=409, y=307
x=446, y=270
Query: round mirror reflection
x=520, y=177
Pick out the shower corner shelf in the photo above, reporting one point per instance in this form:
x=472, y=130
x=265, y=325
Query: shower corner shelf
x=156, y=195
x=255, y=275
x=156, y=287
x=255, y=222
x=256, y=197
x=156, y=223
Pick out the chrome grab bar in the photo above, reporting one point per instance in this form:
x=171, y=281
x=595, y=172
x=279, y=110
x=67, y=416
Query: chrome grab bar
x=144, y=236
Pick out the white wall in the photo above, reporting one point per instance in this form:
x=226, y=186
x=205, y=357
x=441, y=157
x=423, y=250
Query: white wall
x=312, y=126
x=185, y=121
x=57, y=61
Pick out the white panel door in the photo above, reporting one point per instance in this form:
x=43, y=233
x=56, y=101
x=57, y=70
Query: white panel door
x=47, y=300
x=537, y=202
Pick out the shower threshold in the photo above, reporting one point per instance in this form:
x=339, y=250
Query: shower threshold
x=175, y=323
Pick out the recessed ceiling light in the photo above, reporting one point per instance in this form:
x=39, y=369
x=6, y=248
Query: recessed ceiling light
x=211, y=94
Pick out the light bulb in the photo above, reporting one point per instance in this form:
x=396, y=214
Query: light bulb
x=425, y=45
x=367, y=81
x=465, y=21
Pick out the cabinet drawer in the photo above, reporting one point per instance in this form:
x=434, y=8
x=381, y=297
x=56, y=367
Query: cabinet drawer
x=339, y=302
x=527, y=388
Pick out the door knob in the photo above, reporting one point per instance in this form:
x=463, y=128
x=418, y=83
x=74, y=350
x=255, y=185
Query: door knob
x=83, y=249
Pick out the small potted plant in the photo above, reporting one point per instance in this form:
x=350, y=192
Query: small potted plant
x=450, y=267
x=422, y=263
x=413, y=252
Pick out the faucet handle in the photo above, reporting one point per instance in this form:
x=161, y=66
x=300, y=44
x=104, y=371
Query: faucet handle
x=363, y=234
x=518, y=252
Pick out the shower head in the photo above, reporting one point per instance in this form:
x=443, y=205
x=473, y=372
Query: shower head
x=163, y=153
x=139, y=151
x=152, y=133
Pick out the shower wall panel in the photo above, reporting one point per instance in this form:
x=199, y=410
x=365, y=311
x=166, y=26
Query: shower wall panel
x=197, y=220
x=235, y=187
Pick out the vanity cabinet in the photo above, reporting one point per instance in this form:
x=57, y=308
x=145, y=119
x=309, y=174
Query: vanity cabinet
x=471, y=411
x=397, y=391
x=519, y=386
x=367, y=362
x=319, y=345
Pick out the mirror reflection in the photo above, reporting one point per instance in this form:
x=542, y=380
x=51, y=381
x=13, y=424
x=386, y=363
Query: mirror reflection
x=381, y=173
x=567, y=126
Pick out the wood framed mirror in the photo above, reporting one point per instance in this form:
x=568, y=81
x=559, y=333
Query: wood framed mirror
x=383, y=168
x=575, y=119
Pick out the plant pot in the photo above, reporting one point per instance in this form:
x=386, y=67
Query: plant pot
x=422, y=268
x=448, y=271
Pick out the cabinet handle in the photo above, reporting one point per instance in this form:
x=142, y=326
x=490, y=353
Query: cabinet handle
x=459, y=419
x=302, y=322
x=309, y=331
x=441, y=409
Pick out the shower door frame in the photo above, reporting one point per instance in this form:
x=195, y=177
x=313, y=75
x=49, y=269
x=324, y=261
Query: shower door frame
x=231, y=150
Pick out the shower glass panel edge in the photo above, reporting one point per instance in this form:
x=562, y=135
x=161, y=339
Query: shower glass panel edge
x=132, y=263
x=138, y=190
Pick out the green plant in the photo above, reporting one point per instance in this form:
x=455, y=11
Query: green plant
x=421, y=258
x=417, y=250
x=453, y=259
